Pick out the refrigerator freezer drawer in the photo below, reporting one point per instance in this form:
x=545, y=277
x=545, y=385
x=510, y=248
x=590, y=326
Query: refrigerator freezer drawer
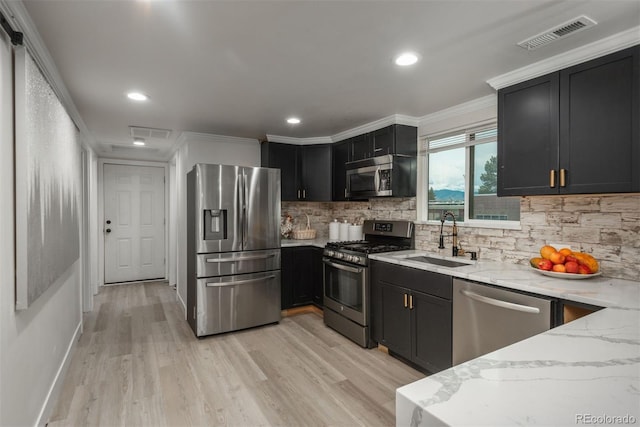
x=231, y=263
x=237, y=302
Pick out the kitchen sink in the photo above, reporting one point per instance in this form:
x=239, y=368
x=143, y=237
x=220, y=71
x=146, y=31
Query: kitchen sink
x=437, y=261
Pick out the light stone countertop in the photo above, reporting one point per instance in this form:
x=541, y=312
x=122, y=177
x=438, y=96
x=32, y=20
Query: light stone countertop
x=319, y=242
x=584, y=372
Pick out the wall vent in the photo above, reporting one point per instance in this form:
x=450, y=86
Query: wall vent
x=563, y=30
x=142, y=132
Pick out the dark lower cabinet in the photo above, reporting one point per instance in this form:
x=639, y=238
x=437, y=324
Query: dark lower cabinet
x=317, y=276
x=412, y=314
x=301, y=276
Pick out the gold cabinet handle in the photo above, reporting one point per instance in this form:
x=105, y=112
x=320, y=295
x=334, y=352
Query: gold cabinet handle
x=410, y=302
x=405, y=300
x=552, y=178
x=563, y=173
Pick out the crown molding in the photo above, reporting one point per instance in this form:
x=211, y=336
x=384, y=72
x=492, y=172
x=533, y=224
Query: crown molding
x=489, y=101
x=188, y=136
x=299, y=141
x=396, y=119
x=582, y=54
x=17, y=14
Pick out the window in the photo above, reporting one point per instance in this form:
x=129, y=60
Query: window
x=461, y=177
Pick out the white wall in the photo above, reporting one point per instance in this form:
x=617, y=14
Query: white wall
x=202, y=148
x=34, y=343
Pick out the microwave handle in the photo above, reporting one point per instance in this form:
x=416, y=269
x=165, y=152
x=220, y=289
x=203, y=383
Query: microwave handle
x=377, y=179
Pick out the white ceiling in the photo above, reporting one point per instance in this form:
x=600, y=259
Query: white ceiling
x=240, y=68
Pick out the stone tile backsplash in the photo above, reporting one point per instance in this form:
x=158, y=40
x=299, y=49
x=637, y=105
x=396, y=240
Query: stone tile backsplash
x=607, y=226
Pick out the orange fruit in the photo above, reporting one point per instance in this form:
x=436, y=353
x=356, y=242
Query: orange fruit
x=546, y=251
x=556, y=258
x=559, y=268
x=565, y=251
x=587, y=260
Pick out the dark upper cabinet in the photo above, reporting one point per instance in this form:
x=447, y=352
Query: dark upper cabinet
x=285, y=158
x=393, y=139
x=599, y=125
x=303, y=169
x=576, y=131
x=360, y=147
x=340, y=153
x=315, y=164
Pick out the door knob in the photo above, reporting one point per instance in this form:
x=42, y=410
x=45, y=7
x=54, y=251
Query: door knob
x=108, y=230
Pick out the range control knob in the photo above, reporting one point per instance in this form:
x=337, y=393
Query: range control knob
x=329, y=253
x=339, y=255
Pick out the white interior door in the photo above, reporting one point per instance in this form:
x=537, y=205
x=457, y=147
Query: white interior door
x=134, y=239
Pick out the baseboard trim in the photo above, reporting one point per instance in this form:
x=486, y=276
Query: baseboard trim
x=302, y=310
x=58, y=381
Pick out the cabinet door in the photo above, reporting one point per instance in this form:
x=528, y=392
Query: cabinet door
x=396, y=319
x=302, y=282
x=315, y=166
x=339, y=170
x=383, y=141
x=286, y=277
x=317, y=276
x=431, y=331
x=599, y=117
x=528, y=137
x=285, y=158
x=360, y=147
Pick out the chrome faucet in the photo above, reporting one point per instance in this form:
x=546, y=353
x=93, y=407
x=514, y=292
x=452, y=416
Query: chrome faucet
x=454, y=233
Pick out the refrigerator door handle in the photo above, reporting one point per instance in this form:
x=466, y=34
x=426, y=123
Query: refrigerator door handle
x=244, y=258
x=239, y=282
x=245, y=222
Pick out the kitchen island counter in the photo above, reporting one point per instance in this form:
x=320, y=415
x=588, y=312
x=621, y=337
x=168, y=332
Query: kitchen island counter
x=584, y=372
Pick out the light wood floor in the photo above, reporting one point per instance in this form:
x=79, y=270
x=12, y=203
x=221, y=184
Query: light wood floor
x=139, y=364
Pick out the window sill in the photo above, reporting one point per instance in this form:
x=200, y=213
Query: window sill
x=502, y=225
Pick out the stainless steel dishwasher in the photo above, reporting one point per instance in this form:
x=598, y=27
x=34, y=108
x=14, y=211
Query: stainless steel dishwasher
x=486, y=318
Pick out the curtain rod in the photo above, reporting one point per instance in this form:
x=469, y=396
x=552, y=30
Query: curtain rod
x=16, y=36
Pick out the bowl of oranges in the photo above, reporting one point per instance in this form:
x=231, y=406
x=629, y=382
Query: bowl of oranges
x=565, y=263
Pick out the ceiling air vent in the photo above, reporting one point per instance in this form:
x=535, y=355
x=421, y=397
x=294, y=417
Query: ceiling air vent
x=563, y=30
x=142, y=132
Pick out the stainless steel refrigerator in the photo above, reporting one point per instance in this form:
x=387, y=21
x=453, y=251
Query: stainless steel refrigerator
x=233, y=241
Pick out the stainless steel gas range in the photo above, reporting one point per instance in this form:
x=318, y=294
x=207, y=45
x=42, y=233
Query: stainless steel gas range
x=346, y=276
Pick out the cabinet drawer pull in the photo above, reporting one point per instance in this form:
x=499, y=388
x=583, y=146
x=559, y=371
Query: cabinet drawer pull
x=563, y=172
x=552, y=178
x=304, y=194
x=410, y=302
x=405, y=301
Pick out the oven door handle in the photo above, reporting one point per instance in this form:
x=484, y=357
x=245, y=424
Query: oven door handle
x=343, y=267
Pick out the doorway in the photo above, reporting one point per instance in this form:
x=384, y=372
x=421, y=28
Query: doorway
x=134, y=223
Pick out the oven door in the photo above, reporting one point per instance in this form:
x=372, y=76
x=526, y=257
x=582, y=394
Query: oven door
x=346, y=290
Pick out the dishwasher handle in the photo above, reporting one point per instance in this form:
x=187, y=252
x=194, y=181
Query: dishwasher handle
x=500, y=303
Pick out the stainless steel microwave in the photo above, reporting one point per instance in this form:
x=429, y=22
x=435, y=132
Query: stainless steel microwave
x=383, y=176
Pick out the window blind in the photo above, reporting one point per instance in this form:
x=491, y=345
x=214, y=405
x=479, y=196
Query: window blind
x=461, y=138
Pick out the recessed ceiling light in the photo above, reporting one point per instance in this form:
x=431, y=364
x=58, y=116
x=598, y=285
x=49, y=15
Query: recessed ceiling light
x=137, y=96
x=293, y=120
x=138, y=141
x=406, y=58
